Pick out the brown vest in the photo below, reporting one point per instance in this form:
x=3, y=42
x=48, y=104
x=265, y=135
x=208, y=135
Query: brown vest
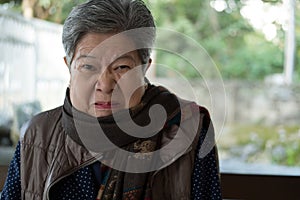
x=48, y=155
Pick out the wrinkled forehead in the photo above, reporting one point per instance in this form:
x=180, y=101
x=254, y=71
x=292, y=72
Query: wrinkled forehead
x=105, y=47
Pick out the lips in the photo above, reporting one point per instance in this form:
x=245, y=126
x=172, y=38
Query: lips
x=106, y=105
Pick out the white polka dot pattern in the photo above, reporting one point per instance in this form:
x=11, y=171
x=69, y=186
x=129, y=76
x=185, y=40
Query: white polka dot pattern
x=12, y=186
x=206, y=181
x=79, y=185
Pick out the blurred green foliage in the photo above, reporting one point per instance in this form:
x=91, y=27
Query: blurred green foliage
x=239, y=51
x=258, y=143
x=16, y=2
x=50, y=10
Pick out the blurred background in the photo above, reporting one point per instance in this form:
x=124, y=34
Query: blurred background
x=254, y=44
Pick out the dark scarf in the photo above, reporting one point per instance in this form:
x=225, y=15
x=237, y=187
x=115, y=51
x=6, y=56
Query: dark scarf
x=117, y=184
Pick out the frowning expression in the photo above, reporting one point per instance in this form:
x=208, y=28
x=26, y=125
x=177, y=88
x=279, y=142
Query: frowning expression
x=106, y=74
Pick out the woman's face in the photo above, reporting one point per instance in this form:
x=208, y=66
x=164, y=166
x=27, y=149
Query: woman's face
x=106, y=75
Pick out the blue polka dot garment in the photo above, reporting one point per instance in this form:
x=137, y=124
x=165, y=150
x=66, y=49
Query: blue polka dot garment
x=12, y=186
x=84, y=183
x=79, y=185
x=205, y=180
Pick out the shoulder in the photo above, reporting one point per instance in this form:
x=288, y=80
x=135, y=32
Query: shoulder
x=191, y=109
x=196, y=119
x=42, y=122
x=47, y=115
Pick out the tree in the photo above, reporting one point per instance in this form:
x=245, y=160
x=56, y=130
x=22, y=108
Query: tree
x=290, y=45
x=50, y=10
x=239, y=50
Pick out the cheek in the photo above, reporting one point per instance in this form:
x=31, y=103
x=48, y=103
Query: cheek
x=136, y=97
x=138, y=93
x=81, y=92
x=131, y=86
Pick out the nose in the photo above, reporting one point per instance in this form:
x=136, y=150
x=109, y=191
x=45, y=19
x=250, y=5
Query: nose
x=105, y=82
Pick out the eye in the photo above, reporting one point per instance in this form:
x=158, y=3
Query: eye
x=88, y=67
x=122, y=68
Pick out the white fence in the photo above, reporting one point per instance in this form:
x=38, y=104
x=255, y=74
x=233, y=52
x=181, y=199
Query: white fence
x=31, y=62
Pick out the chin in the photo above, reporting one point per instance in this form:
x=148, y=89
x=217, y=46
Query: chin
x=102, y=113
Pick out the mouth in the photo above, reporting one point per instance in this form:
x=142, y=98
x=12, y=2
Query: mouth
x=106, y=105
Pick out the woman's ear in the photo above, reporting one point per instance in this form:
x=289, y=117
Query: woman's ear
x=147, y=65
x=66, y=62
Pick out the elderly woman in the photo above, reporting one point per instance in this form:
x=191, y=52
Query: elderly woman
x=116, y=136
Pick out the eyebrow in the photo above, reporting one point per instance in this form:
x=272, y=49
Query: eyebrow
x=86, y=56
x=124, y=56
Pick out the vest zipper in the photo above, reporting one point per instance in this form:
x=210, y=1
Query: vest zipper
x=92, y=160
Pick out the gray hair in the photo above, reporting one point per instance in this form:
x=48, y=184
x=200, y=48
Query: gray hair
x=108, y=16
